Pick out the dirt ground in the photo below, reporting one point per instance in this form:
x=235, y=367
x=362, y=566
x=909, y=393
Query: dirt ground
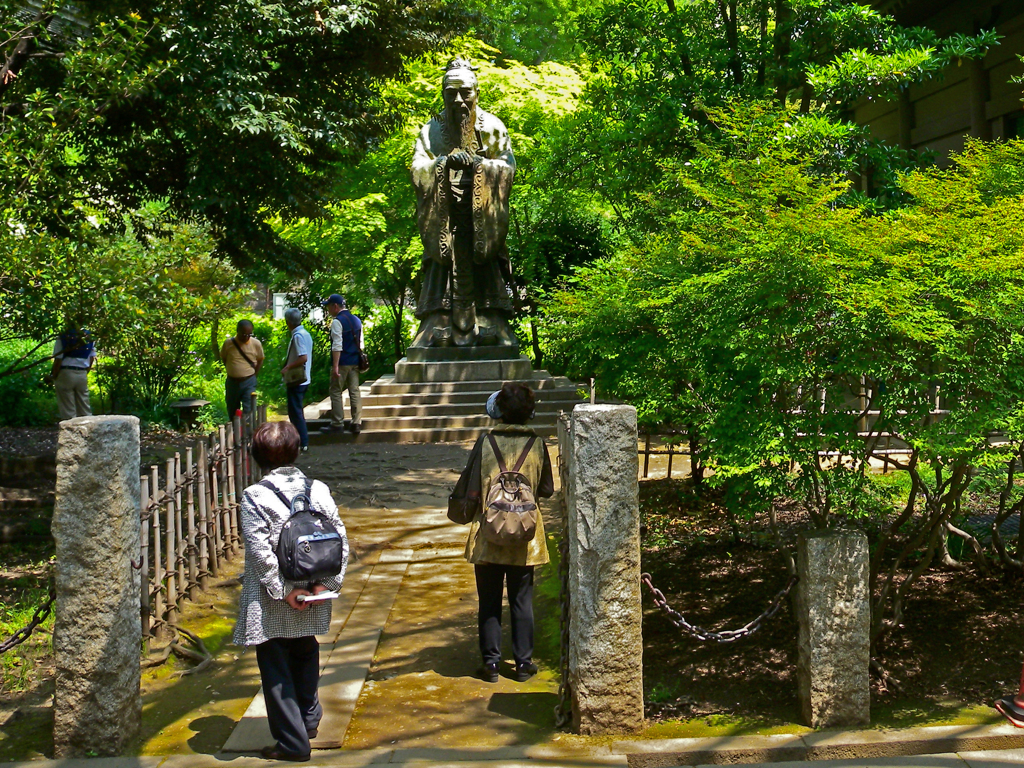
x=960, y=646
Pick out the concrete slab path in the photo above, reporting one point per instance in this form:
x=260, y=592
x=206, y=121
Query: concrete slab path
x=399, y=663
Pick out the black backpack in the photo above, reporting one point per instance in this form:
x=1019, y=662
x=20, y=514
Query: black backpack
x=310, y=547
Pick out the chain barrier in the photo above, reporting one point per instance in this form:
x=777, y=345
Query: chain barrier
x=25, y=632
x=725, y=636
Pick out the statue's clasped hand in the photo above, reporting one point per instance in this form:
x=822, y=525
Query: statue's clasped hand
x=461, y=159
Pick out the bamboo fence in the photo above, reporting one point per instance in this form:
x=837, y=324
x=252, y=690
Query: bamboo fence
x=189, y=518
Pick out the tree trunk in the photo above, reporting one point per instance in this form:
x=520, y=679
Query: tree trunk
x=399, y=324
x=538, y=353
x=783, y=44
x=696, y=463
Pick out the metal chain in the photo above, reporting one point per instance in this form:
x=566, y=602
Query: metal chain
x=726, y=636
x=38, y=618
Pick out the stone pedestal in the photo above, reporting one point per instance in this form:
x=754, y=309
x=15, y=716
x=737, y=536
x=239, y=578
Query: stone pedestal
x=605, y=643
x=834, y=615
x=462, y=364
x=97, y=636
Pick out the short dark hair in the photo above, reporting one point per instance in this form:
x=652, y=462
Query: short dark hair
x=516, y=403
x=244, y=324
x=275, y=444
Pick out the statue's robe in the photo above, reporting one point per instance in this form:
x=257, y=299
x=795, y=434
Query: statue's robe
x=464, y=248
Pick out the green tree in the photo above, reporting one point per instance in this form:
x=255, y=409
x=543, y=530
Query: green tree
x=658, y=67
x=787, y=329
x=224, y=108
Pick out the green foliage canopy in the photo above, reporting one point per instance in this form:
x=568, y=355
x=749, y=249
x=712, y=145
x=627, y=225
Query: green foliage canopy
x=223, y=108
x=763, y=306
x=657, y=68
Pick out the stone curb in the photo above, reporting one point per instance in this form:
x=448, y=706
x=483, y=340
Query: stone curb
x=823, y=745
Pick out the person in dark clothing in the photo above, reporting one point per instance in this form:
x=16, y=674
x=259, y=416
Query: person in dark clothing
x=297, y=366
x=500, y=567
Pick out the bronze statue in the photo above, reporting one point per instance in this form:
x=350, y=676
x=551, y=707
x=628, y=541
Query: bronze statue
x=462, y=168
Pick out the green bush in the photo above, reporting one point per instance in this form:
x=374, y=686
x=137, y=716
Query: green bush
x=25, y=399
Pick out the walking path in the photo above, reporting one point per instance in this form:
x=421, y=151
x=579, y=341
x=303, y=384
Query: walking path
x=399, y=663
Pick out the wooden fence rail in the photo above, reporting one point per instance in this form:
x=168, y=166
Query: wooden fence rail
x=189, y=518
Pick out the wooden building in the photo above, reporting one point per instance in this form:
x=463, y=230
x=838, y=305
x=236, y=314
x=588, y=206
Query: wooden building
x=977, y=98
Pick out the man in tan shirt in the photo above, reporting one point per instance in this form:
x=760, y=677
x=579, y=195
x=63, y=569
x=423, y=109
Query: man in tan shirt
x=242, y=356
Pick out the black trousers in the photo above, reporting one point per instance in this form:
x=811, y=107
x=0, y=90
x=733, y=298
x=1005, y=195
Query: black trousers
x=296, y=395
x=491, y=579
x=290, y=670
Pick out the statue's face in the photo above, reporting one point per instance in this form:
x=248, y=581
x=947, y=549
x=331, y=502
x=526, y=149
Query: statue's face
x=460, y=93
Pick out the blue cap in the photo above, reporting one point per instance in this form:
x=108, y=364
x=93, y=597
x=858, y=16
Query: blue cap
x=335, y=298
x=492, y=406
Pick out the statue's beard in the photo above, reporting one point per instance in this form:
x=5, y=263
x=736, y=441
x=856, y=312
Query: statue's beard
x=463, y=128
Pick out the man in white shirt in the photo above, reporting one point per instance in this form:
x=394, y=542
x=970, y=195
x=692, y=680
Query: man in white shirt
x=300, y=357
x=73, y=356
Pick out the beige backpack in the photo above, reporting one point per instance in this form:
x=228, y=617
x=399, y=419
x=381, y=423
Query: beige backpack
x=510, y=509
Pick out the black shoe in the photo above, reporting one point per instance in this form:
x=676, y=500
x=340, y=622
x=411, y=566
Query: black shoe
x=312, y=732
x=525, y=671
x=1011, y=710
x=276, y=753
x=489, y=673
x=304, y=449
x=355, y=429
x=331, y=429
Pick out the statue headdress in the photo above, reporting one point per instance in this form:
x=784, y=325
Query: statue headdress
x=459, y=64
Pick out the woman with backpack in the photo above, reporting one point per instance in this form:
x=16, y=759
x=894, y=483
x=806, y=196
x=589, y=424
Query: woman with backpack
x=508, y=469
x=273, y=613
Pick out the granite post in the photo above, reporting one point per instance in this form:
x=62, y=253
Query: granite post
x=834, y=616
x=605, y=642
x=97, y=636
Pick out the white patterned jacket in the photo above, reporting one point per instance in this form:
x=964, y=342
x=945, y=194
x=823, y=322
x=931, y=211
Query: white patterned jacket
x=263, y=613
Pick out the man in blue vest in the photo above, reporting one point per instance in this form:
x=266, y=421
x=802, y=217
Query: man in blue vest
x=346, y=341
x=73, y=356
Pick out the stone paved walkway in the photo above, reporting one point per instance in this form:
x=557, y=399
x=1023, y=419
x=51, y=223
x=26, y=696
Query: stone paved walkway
x=400, y=660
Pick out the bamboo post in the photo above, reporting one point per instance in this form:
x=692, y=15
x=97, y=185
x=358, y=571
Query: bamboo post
x=229, y=487
x=158, y=573
x=190, y=512
x=170, y=569
x=238, y=465
x=215, y=508
x=180, y=534
x=144, y=559
x=204, y=518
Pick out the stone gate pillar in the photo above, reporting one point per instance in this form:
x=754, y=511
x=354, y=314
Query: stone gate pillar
x=97, y=635
x=834, y=617
x=605, y=643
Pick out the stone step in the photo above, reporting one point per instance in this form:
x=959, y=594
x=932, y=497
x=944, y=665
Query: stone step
x=438, y=411
x=475, y=420
x=453, y=399
x=442, y=410
x=441, y=435
x=24, y=498
x=541, y=380
x=467, y=370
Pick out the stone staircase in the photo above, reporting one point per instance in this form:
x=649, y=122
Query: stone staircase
x=440, y=411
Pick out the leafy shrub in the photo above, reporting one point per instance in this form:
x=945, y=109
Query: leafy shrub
x=25, y=399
